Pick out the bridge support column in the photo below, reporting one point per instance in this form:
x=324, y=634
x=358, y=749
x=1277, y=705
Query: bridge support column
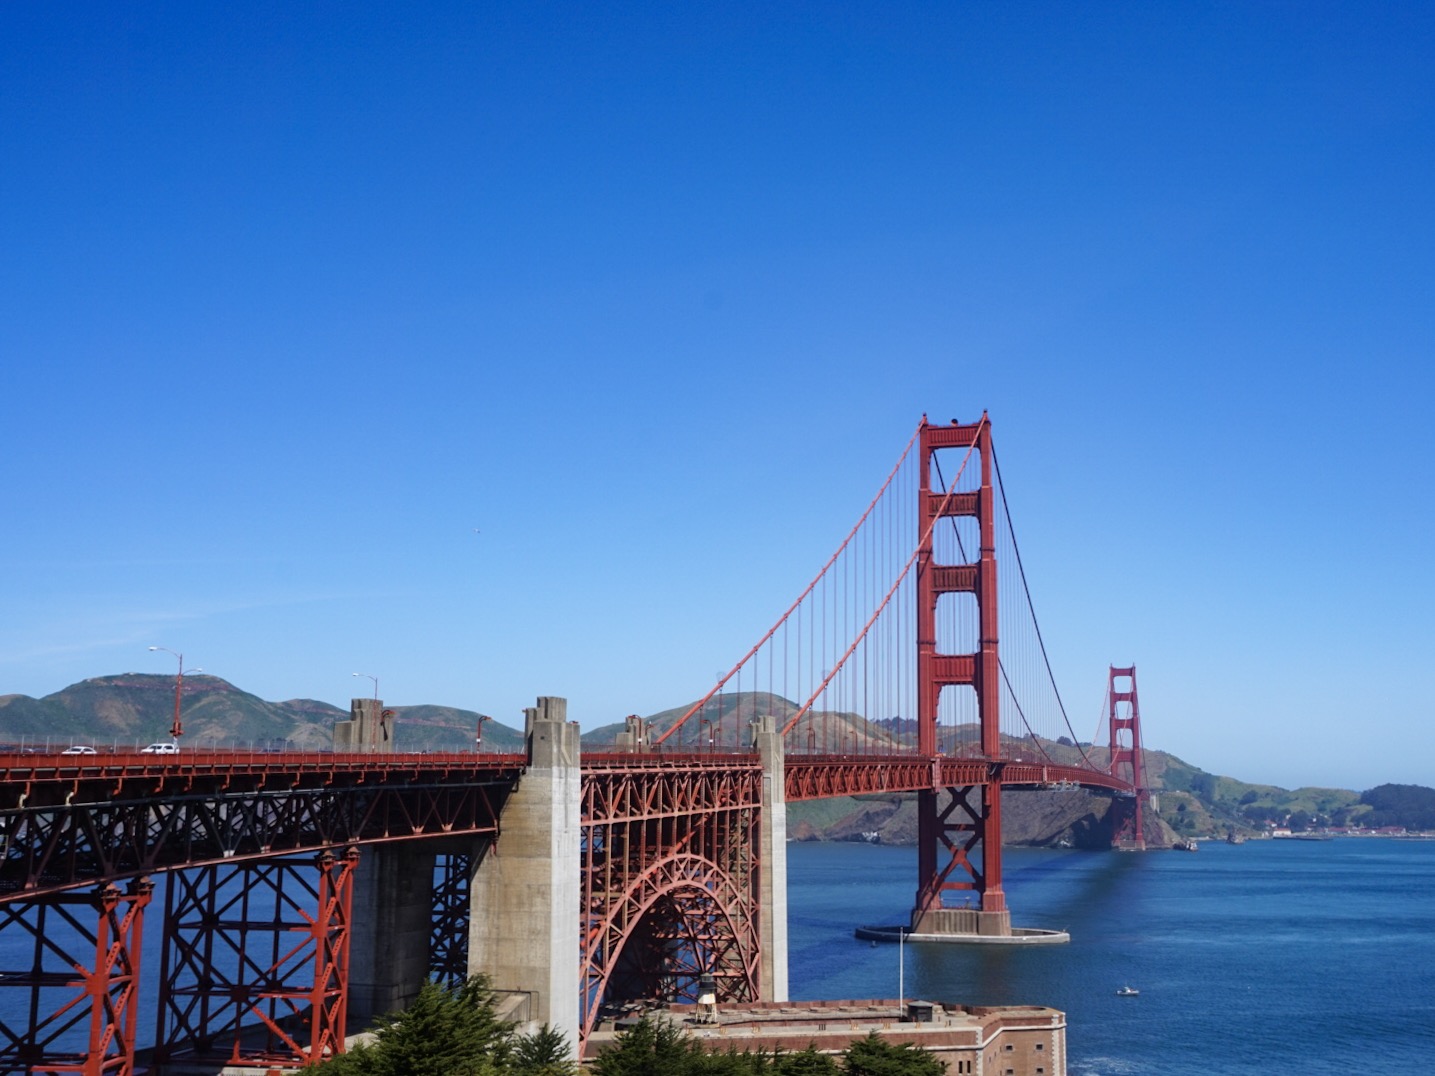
x=970, y=834
x=772, y=864
x=525, y=930
x=411, y=912
x=81, y=975
x=389, y=944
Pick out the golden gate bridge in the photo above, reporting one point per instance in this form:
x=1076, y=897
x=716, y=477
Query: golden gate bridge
x=908, y=665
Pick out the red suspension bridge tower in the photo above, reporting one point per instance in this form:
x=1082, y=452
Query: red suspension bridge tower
x=968, y=827
x=1128, y=831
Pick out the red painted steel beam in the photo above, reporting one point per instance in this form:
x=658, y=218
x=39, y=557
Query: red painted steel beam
x=48, y=846
x=82, y=979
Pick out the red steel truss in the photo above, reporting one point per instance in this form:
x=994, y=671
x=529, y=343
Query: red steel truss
x=1127, y=825
x=671, y=875
x=63, y=823
x=82, y=981
x=811, y=777
x=255, y=964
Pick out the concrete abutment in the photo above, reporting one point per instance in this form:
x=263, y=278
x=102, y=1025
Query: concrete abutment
x=525, y=926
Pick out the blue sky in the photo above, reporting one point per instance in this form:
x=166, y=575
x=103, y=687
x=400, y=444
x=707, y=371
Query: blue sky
x=297, y=297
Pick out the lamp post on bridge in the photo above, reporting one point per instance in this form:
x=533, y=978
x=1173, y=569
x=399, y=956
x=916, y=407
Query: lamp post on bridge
x=478, y=736
x=375, y=679
x=705, y=723
x=176, y=729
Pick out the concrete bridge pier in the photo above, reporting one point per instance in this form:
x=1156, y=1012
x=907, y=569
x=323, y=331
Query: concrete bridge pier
x=391, y=952
x=392, y=909
x=392, y=905
x=772, y=911
x=525, y=925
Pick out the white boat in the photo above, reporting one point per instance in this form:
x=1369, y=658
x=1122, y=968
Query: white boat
x=1128, y=992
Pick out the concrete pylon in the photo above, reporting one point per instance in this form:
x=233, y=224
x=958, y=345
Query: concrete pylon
x=635, y=736
x=389, y=945
x=370, y=728
x=772, y=878
x=525, y=923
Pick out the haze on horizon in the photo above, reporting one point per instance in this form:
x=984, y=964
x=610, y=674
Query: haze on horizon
x=500, y=353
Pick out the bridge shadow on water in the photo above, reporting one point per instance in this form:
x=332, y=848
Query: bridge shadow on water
x=833, y=888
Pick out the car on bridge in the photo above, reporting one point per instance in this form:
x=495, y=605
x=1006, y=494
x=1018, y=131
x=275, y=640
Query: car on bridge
x=161, y=749
x=79, y=749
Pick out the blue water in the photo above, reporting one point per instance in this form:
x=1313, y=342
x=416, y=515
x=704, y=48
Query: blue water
x=1271, y=956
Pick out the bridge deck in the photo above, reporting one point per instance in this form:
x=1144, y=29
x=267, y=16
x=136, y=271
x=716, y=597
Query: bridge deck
x=70, y=820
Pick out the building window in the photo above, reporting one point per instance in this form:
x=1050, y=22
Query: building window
x=1041, y=1046
x=1009, y=1047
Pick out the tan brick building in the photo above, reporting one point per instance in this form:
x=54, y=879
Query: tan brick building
x=1006, y=1040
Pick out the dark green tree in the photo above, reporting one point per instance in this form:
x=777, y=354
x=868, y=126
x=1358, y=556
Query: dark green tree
x=728, y=1063
x=875, y=1056
x=544, y=1053
x=1411, y=806
x=807, y=1063
x=648, y=1048
x=456, y=1032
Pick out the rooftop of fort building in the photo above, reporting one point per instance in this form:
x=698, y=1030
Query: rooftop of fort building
x=1028, y=1038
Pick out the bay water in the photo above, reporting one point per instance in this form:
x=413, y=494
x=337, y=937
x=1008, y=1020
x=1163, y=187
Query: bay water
x=1273, y=956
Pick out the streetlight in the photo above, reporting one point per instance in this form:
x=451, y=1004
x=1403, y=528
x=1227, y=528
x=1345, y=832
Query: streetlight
x=705, y=723
x=478, y=738
x=375, y=679
x=901, y=969
x=176, y=729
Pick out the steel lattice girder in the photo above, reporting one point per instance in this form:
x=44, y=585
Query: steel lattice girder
x=94, y=981
x=46, y=849
x=449, y=924
x=670, y=881
x=51, y=780
x=821, y=777
x=255, y=963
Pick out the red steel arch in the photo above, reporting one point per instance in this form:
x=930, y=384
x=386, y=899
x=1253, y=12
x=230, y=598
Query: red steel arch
x=671, y=878
x=682, y=917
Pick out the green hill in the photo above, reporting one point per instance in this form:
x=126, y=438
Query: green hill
x=137, y=708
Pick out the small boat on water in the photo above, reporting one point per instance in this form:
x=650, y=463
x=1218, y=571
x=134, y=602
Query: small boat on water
x=1128, y=992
